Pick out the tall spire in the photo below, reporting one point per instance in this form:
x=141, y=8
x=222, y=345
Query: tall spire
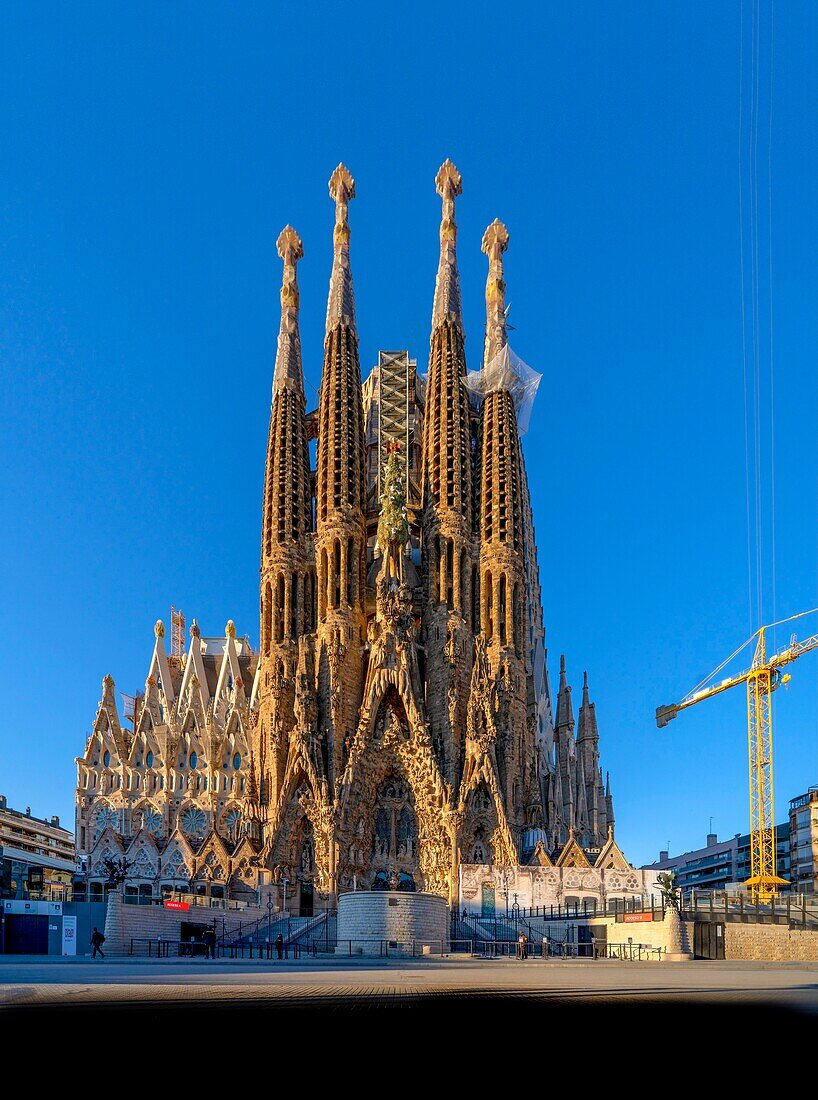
x=446, y=477
x=340, y=538
x=495, y=242
x=287, y=572
x=288, y=373
x=341, y=301
x=447, y=286
x=287, y=504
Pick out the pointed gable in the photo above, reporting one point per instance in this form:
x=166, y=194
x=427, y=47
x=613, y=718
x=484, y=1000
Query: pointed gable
x=540, y=857
x=107, y=724
x=159, y=670
x=610, y=857
x=194, y=689
x=572, y=854
x=230, y=684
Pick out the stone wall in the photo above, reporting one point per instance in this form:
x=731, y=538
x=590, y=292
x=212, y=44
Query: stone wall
x=367, y=918
x=769, y=942
x=649, y=933
x=532, y=886
x=141, y=922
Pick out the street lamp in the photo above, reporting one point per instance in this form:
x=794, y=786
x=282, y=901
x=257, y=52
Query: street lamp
x=269, y=916
x=285, y=882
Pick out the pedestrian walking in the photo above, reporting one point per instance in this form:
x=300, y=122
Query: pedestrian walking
x=97, y=940
x=209, y=938
x=279, y=945
x=522, y=946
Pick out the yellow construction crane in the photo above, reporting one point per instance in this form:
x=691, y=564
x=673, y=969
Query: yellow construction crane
x=762, y=678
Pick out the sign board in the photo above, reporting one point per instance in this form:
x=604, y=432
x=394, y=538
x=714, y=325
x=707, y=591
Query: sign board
x=177, y=905
x=638, y=918
x=51, y=908
x=69, y=935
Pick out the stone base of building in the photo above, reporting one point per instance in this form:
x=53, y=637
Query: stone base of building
x=393, y=922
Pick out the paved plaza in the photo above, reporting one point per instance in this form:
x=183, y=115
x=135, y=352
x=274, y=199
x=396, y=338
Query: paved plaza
x=307, y=1012
x=126, y=983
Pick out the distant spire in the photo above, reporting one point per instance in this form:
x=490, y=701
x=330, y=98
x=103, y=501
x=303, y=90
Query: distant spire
x=609, y=811
x=565, y=710
x=587, y=716
x=447, y=306
x=288, y=373
x=495, y=242
x=341, y=302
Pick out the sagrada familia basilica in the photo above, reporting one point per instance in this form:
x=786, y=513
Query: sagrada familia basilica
x=394, y=730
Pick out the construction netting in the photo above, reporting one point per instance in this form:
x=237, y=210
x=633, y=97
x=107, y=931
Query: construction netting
x=506, y=371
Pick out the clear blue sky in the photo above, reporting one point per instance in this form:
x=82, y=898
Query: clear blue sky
x=150, y=154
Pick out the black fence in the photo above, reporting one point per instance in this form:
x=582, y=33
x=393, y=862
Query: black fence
x=791, y=910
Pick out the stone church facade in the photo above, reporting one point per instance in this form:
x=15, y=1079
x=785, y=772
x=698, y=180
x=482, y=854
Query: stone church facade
x=395, y=727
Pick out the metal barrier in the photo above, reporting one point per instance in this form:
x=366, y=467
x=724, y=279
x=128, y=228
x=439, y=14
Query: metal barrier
x=163, y=949
x=267, y=951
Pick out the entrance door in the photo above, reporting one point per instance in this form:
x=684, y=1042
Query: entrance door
x=708, y=940
x=26, y=934
x=487, y=900
x=305, y=902
x=585, y=941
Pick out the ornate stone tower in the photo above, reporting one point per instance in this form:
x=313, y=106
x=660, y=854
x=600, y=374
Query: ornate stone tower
x=398, y=732
x=502, y=564
x=451, y=613
x=287, y=569
x=340, y=546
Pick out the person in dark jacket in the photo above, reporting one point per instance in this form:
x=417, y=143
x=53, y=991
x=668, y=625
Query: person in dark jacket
x=97, y=940
x=279, y=942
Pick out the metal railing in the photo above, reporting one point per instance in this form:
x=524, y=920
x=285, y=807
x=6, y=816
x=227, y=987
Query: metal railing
x=796, y=911
x=158, y=948
x=317, y=930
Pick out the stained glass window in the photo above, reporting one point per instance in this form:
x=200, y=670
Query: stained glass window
x=105, y=817
x=193, y=822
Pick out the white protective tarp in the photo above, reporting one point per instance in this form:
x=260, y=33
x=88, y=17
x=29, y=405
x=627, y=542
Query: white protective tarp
x=506, y=371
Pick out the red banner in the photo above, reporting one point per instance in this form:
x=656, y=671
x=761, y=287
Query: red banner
x=176, y=905
x=638, y=918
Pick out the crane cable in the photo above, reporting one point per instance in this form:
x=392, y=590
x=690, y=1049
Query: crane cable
x=744, y=319
x=754, y=422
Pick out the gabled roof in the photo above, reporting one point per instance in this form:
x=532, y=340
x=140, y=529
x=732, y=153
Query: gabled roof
x=610, y=857
x=572, y=854
x=540, y=857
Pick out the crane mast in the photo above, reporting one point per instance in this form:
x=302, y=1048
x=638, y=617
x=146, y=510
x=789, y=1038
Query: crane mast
x=762, y=679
